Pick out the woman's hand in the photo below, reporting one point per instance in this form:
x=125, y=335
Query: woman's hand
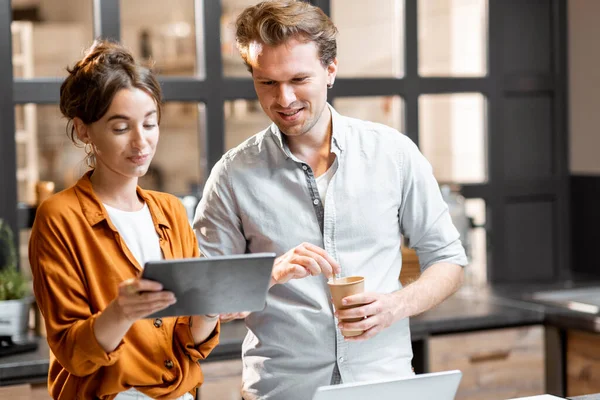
x=139, y=298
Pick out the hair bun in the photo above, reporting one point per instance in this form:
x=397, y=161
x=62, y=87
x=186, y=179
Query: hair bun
x=116, y=55
x=104, y=52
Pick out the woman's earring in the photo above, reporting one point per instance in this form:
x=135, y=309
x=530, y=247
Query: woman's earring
x=88, y=149
x=90, y=157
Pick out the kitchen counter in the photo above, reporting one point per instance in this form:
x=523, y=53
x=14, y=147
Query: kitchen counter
x=466, y=311
x=460, y=313
x=470, y=311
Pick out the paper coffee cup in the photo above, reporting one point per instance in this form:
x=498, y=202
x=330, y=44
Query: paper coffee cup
x=344, y=287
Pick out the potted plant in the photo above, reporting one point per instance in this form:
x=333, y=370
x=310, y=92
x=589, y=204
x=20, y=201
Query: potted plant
x=15, y=298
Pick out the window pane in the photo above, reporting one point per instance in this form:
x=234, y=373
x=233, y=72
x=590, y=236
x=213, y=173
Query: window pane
x=476, y=271
x=243, y=119
x=452, y=37
x=48, y=36
x=387, y=110
x=233, y=66
x=468, y=216
x=24, y=265
x=370, y=41
x=180, y=161
x=163, y=35
x=46, y=153
x=452, y=136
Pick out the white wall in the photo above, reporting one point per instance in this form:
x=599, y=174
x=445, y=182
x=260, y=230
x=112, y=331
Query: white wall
x=584, y=81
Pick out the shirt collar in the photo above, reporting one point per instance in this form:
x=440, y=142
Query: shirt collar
x=338, y=127
x=94, y=211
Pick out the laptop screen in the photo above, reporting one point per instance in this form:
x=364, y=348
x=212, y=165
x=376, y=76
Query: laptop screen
x=431, y=386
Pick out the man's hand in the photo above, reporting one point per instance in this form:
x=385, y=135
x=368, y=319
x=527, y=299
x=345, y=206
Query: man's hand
x=378, y=312
x=434, y=285
x=302, y=261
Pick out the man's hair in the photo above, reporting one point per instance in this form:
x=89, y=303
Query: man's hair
x=277, y=21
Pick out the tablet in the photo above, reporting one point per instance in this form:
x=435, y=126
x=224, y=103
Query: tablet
x=215, y=285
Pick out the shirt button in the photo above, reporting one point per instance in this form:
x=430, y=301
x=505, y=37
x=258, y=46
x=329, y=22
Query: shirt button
x=341, y=359
x=304, y=167
x=316, y=202
x=158, y=322
x=168, y=364
x=327, y=240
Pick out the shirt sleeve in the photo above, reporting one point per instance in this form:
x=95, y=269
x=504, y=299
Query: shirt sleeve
x=183, y=335
x=424, y=217
x=62, y=299
x=217, y=223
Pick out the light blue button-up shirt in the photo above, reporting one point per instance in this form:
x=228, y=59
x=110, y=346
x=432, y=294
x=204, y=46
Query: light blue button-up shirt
x=261, y=198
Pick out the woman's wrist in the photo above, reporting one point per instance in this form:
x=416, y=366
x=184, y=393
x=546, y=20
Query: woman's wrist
x=203, y=318
x=202, y=327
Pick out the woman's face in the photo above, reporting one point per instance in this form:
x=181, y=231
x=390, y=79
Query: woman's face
x=124, y=139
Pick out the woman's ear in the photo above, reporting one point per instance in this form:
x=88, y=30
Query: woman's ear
x=81, y=129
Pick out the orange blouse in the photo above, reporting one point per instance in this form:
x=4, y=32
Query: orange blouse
x=78, y=260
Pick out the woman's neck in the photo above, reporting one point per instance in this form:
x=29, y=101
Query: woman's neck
x=116, y=191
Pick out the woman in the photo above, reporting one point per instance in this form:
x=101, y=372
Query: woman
x=90, y=242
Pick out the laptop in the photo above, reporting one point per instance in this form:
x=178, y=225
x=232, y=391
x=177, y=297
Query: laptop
x=214, y=285
x=430, y=386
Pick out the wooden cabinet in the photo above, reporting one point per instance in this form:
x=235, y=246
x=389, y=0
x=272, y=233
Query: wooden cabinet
x=583, y=363
x=411, y=270
x=222, y=380
x=496, y=364
x=25, y=392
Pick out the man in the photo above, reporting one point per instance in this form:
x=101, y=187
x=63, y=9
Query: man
x=330, y=195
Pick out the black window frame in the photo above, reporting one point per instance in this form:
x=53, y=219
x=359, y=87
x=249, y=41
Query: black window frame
x=215, y=89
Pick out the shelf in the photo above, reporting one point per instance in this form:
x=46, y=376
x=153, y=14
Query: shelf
x=25, y=216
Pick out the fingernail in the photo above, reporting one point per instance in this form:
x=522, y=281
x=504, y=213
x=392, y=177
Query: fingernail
x=344, y=301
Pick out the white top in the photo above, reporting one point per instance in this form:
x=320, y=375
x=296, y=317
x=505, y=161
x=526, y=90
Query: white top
x=138, y=232
x=323, y=181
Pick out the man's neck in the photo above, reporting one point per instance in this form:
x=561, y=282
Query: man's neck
x=314, y=147
x=314, y=141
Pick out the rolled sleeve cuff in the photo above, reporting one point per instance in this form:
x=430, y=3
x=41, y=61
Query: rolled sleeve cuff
x=184, y=336
x=89, y=345
x=85, y=356
x=452, y=254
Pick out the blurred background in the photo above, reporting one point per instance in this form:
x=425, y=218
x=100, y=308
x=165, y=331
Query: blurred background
x=498, y=95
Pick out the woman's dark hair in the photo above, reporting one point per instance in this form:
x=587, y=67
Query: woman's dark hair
x=106, y=68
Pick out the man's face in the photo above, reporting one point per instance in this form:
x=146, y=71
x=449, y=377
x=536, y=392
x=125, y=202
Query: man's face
x=291, y=84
